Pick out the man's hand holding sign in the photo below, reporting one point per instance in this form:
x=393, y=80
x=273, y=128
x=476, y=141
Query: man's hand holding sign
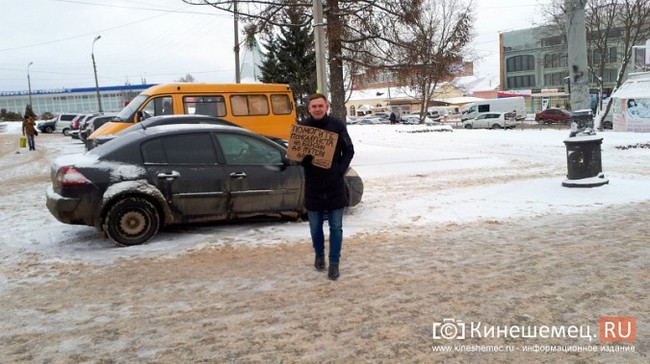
x=308, y=141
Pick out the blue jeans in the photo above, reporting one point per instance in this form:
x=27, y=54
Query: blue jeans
x=30, y=142
x=335, y=222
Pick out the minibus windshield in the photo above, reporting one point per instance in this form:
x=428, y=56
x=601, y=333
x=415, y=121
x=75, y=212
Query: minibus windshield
x=126, y=115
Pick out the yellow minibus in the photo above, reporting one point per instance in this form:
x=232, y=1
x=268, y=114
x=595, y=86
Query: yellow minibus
x=267, y=109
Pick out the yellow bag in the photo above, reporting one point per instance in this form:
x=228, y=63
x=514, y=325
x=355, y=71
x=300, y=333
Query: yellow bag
x=23, y=142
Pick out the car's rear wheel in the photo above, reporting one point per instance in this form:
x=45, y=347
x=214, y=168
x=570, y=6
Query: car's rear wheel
x=496, y=126
x=131, y=221
x=66, y=132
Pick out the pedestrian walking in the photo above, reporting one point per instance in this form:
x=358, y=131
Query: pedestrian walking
x=29, y=130
x=392, y=118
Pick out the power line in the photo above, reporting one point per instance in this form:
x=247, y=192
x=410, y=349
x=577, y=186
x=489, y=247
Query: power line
x=177, y=11
x=164, y=11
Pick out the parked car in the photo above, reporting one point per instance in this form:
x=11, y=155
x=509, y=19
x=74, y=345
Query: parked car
x=46, y=126
x=63, y=122
x=176, y=174
x=157, y=121
x=490, y=120
x=351, y=120
x=77, y=124
x=414, y=118
x=608, y=122
x=368, y=120
x=96, y=121
x=384, y=116
x=553, y=116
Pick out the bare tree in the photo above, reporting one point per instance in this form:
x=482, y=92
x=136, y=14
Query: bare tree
x=186, y=78
x=431, y=47
x=357, y=31
x=620, y=23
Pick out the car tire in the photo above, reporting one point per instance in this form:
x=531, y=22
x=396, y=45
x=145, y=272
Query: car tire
x=48, y=129
x=354, y=187
x=66, y=132
x=468, y=126
x=496, y=126
x=131, y=221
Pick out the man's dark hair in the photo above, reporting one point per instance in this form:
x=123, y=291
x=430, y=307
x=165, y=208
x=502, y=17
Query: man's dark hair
x=317, y=96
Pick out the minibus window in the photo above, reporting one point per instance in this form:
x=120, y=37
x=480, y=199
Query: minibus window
x=205, y=105
x=157, y=106
x=244, y=105
x=281, y=104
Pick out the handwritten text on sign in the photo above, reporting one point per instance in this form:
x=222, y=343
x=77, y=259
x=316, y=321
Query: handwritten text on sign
x=317, y=142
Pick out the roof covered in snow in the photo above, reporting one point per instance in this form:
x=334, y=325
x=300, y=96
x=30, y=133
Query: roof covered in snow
x=636, y=86
x=466, y=84
x=471, y=84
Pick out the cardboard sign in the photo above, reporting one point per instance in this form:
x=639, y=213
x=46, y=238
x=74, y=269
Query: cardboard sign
x=317, y=142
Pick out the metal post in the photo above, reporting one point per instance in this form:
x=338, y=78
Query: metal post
x=92, y=54
x=236, y=24
x=29, y=84
x=319, y=40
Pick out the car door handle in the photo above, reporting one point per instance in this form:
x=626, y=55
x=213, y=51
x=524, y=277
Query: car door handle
x=169, y=176
x=238, y=175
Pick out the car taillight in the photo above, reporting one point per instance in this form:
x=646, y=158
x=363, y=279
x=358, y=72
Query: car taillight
x=70, y=176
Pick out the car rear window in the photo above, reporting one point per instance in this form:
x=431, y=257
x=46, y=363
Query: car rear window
x=68, y=117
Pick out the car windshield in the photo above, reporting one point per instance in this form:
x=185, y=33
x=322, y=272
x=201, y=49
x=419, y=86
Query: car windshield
x=126, y=115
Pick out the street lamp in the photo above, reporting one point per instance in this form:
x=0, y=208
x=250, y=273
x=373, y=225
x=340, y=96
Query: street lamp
x=92, y=54
x=29, y=84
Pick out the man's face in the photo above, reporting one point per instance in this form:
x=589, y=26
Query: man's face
x=318, y=108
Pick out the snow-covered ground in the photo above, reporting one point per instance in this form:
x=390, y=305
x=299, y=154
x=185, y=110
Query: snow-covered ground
x=473, y=225
x=417, y=179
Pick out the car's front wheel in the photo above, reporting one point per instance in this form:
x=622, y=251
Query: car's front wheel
x=131, y=221
x=468, y=126
x=48, y=129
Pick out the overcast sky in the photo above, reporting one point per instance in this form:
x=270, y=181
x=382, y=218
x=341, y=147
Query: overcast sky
x=161, y=40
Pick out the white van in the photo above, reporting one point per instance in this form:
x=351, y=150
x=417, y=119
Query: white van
x=506, y=104
x=63, y=122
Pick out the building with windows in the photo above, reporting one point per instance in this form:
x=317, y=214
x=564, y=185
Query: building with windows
x=382, y=90
x=534, y=62
x=83, y=100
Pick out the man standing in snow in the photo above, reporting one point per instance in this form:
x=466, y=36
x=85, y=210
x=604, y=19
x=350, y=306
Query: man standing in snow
x=326, y=193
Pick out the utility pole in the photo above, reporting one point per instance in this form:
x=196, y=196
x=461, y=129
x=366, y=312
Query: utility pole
x=92, y=54
x=577, y=57
x=29, y=84
x=237, y=68
x=319, y=40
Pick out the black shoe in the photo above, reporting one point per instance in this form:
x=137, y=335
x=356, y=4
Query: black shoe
x=319, y=262
x=333, y=272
